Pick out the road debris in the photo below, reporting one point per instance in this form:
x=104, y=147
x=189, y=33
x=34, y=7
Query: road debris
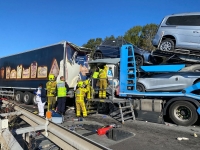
x=195, y=135
x=182, y=138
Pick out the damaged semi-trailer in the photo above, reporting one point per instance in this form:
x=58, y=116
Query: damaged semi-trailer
x=20, y=74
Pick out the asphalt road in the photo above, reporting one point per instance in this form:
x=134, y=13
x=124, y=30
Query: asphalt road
x=149, y=136
x=152, y=136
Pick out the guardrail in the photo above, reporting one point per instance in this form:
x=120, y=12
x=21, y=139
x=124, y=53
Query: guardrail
x=61, y=136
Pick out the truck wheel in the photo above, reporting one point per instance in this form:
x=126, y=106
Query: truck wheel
x=167, y=45
x=19, y=97
x=34, y=100
x=28, y=98
x=183, y=113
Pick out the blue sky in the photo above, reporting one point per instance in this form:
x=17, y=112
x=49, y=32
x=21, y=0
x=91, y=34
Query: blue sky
x=30, y=24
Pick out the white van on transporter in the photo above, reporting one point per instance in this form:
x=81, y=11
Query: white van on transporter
x=178, y=32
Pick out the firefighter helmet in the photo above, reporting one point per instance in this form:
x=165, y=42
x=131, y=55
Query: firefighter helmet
x=51, y=77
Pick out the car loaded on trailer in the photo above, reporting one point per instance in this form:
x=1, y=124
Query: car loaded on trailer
x=111, y=49
x=178, y=35
x=20, y=74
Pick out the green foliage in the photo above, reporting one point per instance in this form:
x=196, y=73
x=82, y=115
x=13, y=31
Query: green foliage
x=137, y=35
x=133, y=35
x=92, y=43
x=148, y=32
x=112, y=37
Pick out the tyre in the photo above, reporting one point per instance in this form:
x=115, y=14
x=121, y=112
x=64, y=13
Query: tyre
x=183, y=113
x=34, y=100
x=139, y=60
x=140, y=87
x=28, y=98
x=97, y=55
x=167, y=45
x=19, y=97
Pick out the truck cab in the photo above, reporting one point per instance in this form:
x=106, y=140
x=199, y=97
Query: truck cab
x=112, y=74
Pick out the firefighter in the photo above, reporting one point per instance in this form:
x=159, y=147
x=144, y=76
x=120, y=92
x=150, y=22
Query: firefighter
x=80, y=104
x=51, y=92
x=95, y=76
x=62, y=89
x=89, y=89
x=103, y=82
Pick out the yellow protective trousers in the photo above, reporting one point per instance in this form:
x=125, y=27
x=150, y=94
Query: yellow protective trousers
x=89, y=92
x=51, y=103
x=80, y=106
x=103, y=85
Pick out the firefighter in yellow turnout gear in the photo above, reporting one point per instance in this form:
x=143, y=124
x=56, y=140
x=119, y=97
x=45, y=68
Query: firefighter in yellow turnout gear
x=89, y=89
x=51, y=92
x=80, y=104
x=103, y=82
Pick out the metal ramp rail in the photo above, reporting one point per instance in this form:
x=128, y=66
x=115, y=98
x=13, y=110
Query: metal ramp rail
x=184, y=55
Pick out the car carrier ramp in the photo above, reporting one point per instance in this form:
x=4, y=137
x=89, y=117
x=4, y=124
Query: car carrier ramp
x=184, y=55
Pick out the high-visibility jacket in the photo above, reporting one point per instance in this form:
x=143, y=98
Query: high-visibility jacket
x=95, y=75
x=51, y=88
x=61, y=89
x=103, y=74
x=80, y=94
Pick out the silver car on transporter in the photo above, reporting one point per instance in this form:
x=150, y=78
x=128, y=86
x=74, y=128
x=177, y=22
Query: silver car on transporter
x=167, y=82
x=178, y=31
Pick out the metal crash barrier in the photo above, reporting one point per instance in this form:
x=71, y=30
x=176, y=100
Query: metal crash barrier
x=61, y=136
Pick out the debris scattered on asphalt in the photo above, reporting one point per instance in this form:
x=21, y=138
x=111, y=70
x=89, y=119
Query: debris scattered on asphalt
x=194, y=130
x=182, y=138
x=70, y=108
x=169, y=124
x=104, y=116
x=195, y=135
x=74, y=127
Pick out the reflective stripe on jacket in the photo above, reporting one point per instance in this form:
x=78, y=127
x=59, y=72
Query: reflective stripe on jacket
x=51, y=88
x=80, y=94
x=62, y=90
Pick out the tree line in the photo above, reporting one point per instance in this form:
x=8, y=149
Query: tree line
x=140, y=36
